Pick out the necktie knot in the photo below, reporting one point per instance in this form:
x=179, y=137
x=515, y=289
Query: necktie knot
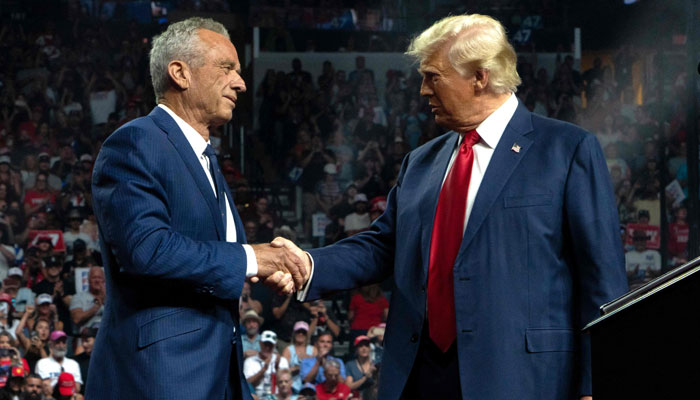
x=470, y=138
x=209, y=152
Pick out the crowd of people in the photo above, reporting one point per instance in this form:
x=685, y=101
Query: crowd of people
x=64, y=88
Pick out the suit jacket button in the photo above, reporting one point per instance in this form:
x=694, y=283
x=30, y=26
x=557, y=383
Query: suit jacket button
x=414, y=337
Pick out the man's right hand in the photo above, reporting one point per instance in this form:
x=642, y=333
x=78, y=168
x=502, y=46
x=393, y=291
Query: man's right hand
x=279, y=267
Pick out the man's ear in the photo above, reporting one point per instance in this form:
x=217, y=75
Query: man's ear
x=180, y=74
x=481, y=79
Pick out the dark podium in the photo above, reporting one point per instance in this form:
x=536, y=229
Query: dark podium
x=646, y=344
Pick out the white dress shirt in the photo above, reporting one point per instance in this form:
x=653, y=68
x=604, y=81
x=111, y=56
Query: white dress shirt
x=198, y=146
x=490, y=132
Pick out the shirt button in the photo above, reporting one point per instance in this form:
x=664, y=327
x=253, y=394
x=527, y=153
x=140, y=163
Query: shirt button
x=414, y=338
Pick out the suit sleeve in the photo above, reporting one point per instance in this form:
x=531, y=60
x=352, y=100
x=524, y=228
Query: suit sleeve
x=366, y=257
x=593, y=227
x=133, y=212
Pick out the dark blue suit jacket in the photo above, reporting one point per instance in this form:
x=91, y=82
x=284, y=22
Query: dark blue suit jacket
x=540, y=254
x=169, y=325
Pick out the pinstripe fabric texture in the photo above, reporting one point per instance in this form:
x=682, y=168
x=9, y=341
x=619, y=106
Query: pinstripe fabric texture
x=169, y=328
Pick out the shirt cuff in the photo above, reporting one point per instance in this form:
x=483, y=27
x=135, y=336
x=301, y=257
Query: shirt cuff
x=251, y=261
x=301, y=295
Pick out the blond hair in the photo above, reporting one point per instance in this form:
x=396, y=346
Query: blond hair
x=476, y=42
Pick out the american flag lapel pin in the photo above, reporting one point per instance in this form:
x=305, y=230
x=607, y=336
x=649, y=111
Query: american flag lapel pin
x=516, y=148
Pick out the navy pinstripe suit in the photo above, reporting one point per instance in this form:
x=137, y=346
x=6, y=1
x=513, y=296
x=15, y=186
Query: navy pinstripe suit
x=168, y=331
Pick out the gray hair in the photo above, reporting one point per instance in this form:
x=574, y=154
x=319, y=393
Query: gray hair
x=179, y=42
x=331, y=363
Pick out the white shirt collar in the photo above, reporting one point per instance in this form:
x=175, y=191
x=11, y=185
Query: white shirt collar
x=193, y=137
x=492, y=128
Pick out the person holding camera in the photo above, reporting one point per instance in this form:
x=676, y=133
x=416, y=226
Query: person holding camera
x=322, y=318
x=9, y=352
x=35, y=346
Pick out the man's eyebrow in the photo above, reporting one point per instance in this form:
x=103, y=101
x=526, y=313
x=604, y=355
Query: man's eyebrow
x=230, y=64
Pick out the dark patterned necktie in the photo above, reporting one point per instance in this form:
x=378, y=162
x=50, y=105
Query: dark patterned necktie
x=219, y=182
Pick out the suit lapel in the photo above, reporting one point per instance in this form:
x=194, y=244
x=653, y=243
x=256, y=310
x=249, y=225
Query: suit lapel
x=183, y=147
x=500, y=168
x=431, y=193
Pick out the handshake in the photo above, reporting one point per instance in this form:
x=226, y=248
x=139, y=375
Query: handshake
x=282, y=265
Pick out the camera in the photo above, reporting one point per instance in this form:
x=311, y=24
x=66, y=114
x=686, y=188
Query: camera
x=33, y=335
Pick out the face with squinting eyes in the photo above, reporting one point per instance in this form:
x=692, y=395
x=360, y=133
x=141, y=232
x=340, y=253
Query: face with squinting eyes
x=214, y=87
x=450, y=95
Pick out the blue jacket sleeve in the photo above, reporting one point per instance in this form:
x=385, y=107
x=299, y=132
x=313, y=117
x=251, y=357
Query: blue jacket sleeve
x=593, y=225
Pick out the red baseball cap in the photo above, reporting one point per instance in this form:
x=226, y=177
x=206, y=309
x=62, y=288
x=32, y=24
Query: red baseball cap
x=362, y=338
x=66, y=384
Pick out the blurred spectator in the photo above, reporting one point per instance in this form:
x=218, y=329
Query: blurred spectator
x=7, y=252
x=39, y=198
x=376, y=337
x=36, y=346
x=32, y=388
x=358, y=220
x=328, y=193
x=103, y=93
x=7, y=321
x=32, y=267
x=87, y=342
x=368, y=307
x=247, y=302
x=284, y=387
x=251, y=340
x=260, y=369
x=9, y=351
x=45, y=309
x=86, y=308
x=73, y=233
x=24, y=294
x=307, y=392
x=359, y=70
x=53, y=182
x=642, y=264
x=297, y=351
x=332, y=386
x=377, y=207
x=362, y=372
x=322, y=318
x=57, y=363
x=15, y=380
x=64, y=165
x=312, y=368
x=67, y=387
x=76, y=193
x=298, y=77
x=678, y=232
x=287, y=312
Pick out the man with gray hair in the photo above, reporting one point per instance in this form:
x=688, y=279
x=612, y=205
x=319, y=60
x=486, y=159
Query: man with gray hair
x=173, y=243
x=500, y=236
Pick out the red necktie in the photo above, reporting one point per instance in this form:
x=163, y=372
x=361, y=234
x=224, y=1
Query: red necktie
x=448, y=230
